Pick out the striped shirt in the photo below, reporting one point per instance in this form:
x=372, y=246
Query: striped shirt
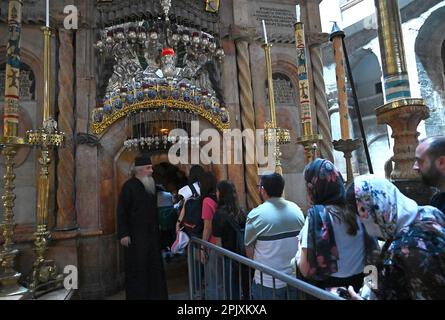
x=272, y=228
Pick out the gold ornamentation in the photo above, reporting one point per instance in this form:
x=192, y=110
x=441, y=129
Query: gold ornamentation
x=108, y=120
x=212, y=6
x=8, y=276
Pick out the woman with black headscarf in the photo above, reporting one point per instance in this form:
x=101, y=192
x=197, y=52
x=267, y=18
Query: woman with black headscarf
x=332, y=241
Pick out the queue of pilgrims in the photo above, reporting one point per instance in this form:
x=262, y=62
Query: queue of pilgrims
x=346, y=228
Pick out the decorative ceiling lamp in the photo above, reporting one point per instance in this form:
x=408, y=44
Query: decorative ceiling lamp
x=159, y=64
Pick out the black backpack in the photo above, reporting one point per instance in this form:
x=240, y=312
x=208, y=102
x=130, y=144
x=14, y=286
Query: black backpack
x=240, y=246
x=192, y=221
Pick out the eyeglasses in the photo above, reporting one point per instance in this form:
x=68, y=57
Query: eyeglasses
x=259, y=186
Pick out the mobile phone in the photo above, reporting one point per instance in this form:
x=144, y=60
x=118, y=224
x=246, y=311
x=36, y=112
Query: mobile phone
x=343, y=293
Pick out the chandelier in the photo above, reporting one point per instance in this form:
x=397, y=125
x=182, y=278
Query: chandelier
x=160, y=65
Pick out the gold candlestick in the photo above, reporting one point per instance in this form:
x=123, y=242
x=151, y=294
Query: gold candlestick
x=309, y=140
x=273, y=136
x=11, y=142
x=45, y=276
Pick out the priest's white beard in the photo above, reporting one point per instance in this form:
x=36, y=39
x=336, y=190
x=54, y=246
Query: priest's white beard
x=149, y=184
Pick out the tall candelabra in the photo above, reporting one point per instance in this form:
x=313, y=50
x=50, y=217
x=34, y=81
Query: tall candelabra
x=273, y=136
x=345, y=144
x=309, y=140
x=10, y=142
x=44, y=276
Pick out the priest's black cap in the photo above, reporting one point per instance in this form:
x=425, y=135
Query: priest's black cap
x=142, y=160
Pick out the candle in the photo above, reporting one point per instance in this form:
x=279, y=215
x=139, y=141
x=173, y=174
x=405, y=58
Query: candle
x=47, y=13
x=297, y=12
x=304, y=87
x=340, y=73
x=264, y=31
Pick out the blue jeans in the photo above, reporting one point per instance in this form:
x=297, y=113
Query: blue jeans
x=260, y=292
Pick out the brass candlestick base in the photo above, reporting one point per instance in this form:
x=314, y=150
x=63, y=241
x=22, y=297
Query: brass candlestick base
x=347, y=146
x=403, y=116
x=44, y=277
x=310, y=144
x=9, y=278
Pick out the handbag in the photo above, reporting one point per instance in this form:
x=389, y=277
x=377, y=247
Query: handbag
x=182, y=240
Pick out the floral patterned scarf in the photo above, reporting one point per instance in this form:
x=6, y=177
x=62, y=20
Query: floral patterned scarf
x=382, y=208
x=325, y=186
x=412, y=263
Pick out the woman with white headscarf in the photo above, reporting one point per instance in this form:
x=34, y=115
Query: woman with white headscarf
x=412, y=264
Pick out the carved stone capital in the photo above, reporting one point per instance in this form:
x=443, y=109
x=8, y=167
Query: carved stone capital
x=317, y=38
x=242, y=33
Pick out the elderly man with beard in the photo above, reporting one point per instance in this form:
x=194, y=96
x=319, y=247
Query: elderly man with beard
x=138, y=232
x=430, y=163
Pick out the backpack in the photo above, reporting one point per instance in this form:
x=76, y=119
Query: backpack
x=240, y=246
x=192, y=221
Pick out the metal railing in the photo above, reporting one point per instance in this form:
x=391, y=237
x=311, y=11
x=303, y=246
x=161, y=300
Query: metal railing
x=228, y=276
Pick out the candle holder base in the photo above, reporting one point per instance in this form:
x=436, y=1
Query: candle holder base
x=310, y=144
x=403, y=116
x=347, y=147
x=9, y=286
x=45, y=278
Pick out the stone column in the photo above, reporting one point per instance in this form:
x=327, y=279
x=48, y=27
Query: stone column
x=65, y=219
x=311, y=16
x=247, y=110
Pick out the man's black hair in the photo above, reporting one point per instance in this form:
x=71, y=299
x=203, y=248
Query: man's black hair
x=273, y=184
x=436, y=147
x=195, y=173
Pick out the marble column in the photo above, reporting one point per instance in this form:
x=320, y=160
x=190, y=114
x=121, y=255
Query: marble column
x=65, y=219
x=247, y=111
x=311, y=13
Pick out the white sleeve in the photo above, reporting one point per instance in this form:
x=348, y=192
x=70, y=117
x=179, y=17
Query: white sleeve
x=185, y=192
x=197, y=188
x=303, y=234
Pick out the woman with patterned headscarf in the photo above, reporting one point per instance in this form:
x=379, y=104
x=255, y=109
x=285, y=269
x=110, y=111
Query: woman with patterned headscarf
x=332, y=249
x=412, y=264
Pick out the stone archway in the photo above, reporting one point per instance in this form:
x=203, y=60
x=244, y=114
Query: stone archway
x=366, y=71
x=115, y=165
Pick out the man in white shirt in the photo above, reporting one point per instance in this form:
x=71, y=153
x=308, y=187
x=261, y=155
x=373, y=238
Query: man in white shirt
x=271, y=237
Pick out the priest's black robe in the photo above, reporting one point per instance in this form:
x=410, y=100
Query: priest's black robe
x=137, y=217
